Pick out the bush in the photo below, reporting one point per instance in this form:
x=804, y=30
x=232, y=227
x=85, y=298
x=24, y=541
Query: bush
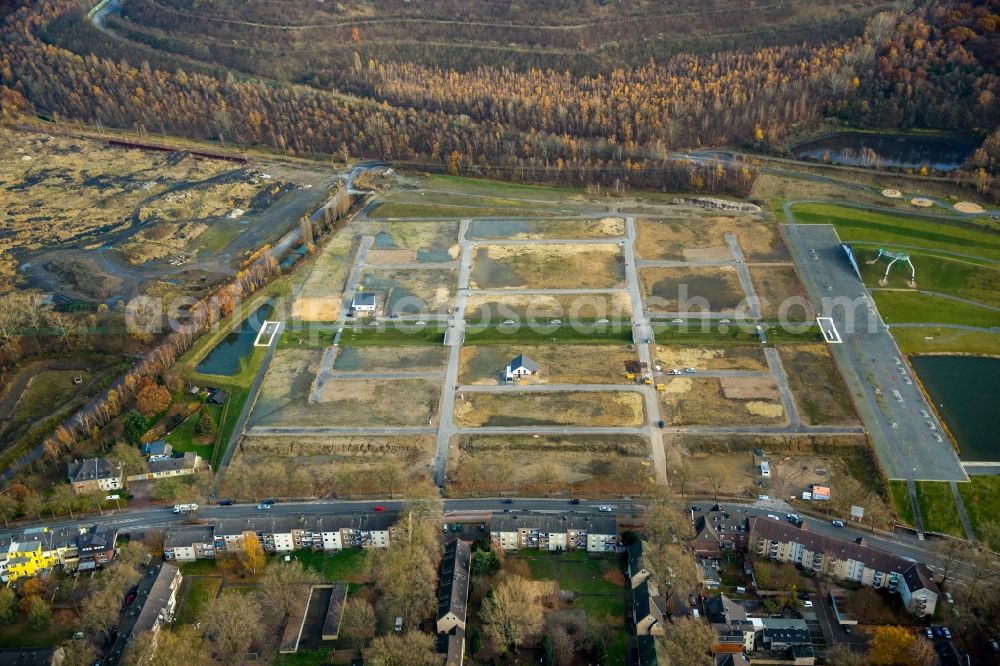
x=206, y=423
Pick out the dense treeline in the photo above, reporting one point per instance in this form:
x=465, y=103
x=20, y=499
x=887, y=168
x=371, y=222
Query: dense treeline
x=304, y=121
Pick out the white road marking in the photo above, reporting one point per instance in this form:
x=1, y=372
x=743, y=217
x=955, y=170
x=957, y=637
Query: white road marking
x=829, y=329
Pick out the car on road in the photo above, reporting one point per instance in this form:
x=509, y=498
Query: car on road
x=506, y=501
x=660, y=424
x=773, y=517
x=674, y=371
x=837, y=523
x=793, y=519
x=379, y=508
x=263, y=507
x=605, y=509
x=694, y=508
x=508, y=322
x=226, y=502
x=556, y=321
x=807, y=604
x=690, y=370
x=574, y=501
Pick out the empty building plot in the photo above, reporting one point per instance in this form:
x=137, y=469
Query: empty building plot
x=546, y=463
x=817, y=387
x=722, y=401
x=608, y=227
x=702, y=238
x=390, y=359
x=404, y=242
x=548, y=266
x=692, y=289
x=743, y=357
x=565, y=408
x=781, y=293
x=593, y=307
x=321, y=295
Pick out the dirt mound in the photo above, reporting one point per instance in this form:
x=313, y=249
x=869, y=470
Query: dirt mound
x=749, y=388
x=968, y=207
x=921, y=202
x=84, y=275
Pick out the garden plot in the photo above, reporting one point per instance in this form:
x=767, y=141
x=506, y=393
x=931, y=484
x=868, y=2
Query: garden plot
x=404, y=242
x=412, y=291
x=321, y=295
x=690, y=289
x=817, y=387
x=538, y=408
x=391, y=359
x=776, y=286
x=711, y=358
x=548, y=266
x=548, y=463
x=608, y=227
x=704, y=239
x=568, y=307
x=722, y=401
x=558, y=364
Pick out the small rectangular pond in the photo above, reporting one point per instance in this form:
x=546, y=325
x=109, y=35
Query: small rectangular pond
x=225, y=357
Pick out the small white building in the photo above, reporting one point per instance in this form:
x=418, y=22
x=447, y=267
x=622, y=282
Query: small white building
x=363, y=302
x=521, y=366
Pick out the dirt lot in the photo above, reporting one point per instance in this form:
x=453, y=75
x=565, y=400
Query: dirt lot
x=714, y=401
x=412, y=291
x=577, y=409
x=711, y=358
x=414, y=241
x=548, y=267
x=548, y=306
x=776, y=285
x=336, y=465
x=284, y=397
x=390, y=359
x=559, y=364
x=608, y=227
x=703, y=238
x=322, y=291
x=665, y=288
x=817, y=387
x=594, y=464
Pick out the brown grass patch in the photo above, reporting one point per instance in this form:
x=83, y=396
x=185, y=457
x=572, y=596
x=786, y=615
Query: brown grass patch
x=776, y=285
x=816, y=384
x=704, y=238
x=558, y=364
x=748, y=388
x=711, y=358
x=548, y=267
x=564, y=408
x=549, y=306
x=322, y=292
x=702, y=401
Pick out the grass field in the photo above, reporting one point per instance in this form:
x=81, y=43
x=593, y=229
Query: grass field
x=944, y=340
x=543, y=266
x=971, y=279
x=348, y=565
x=901, y=501
x=407, y=209
x=184, y=438
x=613, y=333
x=937, y=508
x=776, y=286
x=493, y=307
x=558, y=364
x=198, y=594
x=701, y=333
x=981, y=497
x=855, y=224
x=608, y=227
x=411, y=291
x=909, y=306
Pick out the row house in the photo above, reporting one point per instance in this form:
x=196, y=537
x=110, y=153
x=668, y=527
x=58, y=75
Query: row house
x=595, y=534
x=716, y=530
x=453, y=598
x=35, y=550
x=843, y=560
x=95, y=475
x=190, y=543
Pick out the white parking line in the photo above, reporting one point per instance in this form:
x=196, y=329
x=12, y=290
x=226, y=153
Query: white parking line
x=270, y=328
x=830, y=332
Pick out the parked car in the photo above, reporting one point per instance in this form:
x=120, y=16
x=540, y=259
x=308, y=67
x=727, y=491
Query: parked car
x=928, y=633
x=379, y=508
x=950, y=599
x=226, y=502
x=793, y=518
x=837, y=523
x=269, y=501
x=807, y=604
x=690, y=370
x=938, y=633
x=399, y=623
x=994, y=645
x=947, y=632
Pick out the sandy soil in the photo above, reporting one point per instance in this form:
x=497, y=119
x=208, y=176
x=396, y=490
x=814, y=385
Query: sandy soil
x=711, y=358
x=578, y=409
x=702, y=401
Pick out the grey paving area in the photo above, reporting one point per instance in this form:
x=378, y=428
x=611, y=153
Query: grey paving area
x=907, y=435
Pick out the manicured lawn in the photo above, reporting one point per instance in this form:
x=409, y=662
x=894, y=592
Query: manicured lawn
x=199, y=596
x=910, y=306
x=855, y=224
x=184, y=438
x=587, y=577
x=692, y=333
x=392, y=336
x=981, y=497
x=901, y=500
x=407, y=209
x=302, y=658
x=307, y=335
x=349, y=564
x=609, y=609
x=609, y=334
x=199, y=568
x=975, y=281
x=944, y=340
x=542, y=568
x=937, y=507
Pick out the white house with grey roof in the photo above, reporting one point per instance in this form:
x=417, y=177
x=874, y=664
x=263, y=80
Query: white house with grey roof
x=522, y=366
x=363, y=302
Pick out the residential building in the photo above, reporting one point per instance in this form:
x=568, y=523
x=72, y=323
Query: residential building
x=26, y=559
x=648, y=609
x=522, y=366
x=158, y=450
x=188, y=463
x=733, y=629
x=453, y=597
x=718, y=530
x=159, y=605
x=186, y=544
x=363, y=302
x=638, y=572
x=95, y=474
x=731, y=659
x=334, y=612
x=595, y=534
x=327, y=533
x=919, y=591
x=95, y=547
x=844, y=560
x=216, y=397
x=782, y=634
x=38, y=549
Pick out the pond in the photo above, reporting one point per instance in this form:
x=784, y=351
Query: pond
x=897, y=151
x=964, y=390
x=225, y=357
